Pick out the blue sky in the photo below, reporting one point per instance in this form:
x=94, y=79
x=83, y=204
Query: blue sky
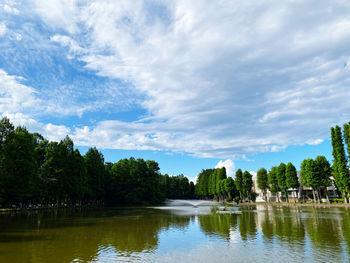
x=190, y=84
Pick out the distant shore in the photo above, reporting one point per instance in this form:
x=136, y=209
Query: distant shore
x=295, y=204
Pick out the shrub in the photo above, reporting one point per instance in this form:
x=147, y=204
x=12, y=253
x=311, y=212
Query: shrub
x=337, y=201
x=214, y=209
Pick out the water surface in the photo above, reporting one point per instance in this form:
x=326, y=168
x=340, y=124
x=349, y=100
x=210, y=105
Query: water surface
x=176, y=234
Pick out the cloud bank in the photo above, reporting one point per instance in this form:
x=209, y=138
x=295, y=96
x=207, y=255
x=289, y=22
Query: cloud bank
x=229, y=165
x=217, y=79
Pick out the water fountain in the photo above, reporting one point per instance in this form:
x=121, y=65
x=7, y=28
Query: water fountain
x=196, y=207
x=194, y=203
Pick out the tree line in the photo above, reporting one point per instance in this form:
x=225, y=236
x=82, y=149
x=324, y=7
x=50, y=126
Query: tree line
x=318, y=174
x=214, y=184
x=314, y=173
x=36, y=171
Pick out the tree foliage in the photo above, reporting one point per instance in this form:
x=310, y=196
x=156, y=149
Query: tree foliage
x=36, y=171
x=262, y=181
x=214, y=183
x=341, y=173
x=315, y=174
x=292, y=180
x=239, y=182
x=272, y=180
x=247, y=184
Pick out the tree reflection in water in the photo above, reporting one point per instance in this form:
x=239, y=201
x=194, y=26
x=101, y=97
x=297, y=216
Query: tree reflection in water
x=84, y=235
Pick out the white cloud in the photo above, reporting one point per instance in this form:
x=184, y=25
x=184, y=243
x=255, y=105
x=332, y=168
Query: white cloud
x=3, y=29
x=314, y=142
x=247, y=78
x=19, y=102
x=229, y=165
x=74, y=48
x=253, y=173
x=10, y=9
x=58, y=13
x=16, y=97
x=49, y=131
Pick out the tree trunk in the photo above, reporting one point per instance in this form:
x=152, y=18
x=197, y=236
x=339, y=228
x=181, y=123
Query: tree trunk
x=327, y=195
x=286, y=193
x=313, y=193
x=319, y=196
x=278, y=198
x=294, y=196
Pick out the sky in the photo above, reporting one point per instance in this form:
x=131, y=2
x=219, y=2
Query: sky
x=192, y=84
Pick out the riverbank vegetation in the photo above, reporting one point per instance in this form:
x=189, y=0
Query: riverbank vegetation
x=35, y=172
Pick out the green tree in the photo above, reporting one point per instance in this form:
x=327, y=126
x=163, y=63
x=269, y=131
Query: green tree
x=221, y=173
x=230, y=188
x=95, y=171
x=281, y=178
x=273, y=182
x=79, y=173
x=219, y=189
x=315, y=174
x=346, y=132
x=201, y=188
x=212, y=183
x=6, y=129
x=262, y=181
x=18, y=167
x=239, y=183
x=341, y=174
x=292, y=180
x=324, y=173
x=191, y=190
x=247, y=184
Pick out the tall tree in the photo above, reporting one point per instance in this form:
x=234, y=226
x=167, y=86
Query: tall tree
x=95, y=171
x=292, y=180
x=221, y=173
x=281, y=178
x=247, y=184
x=230, y=188
x=346, y=132
x=314, y=174
x=212, y=183
x=201, y=187
x=18, y=166
x=341, y=174
x=273, y=182
x=324, y=173
x=220, y=176
x=239, y=183
x=262, y=181
x=191, y=190
x=6, y=129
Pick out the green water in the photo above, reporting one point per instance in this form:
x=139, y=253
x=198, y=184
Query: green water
x=182, y=234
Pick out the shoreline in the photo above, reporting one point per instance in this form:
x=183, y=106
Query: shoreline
x=296, y=204
x=4, y=210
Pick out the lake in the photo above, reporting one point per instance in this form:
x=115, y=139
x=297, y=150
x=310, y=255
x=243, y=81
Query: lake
x=176, y=234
